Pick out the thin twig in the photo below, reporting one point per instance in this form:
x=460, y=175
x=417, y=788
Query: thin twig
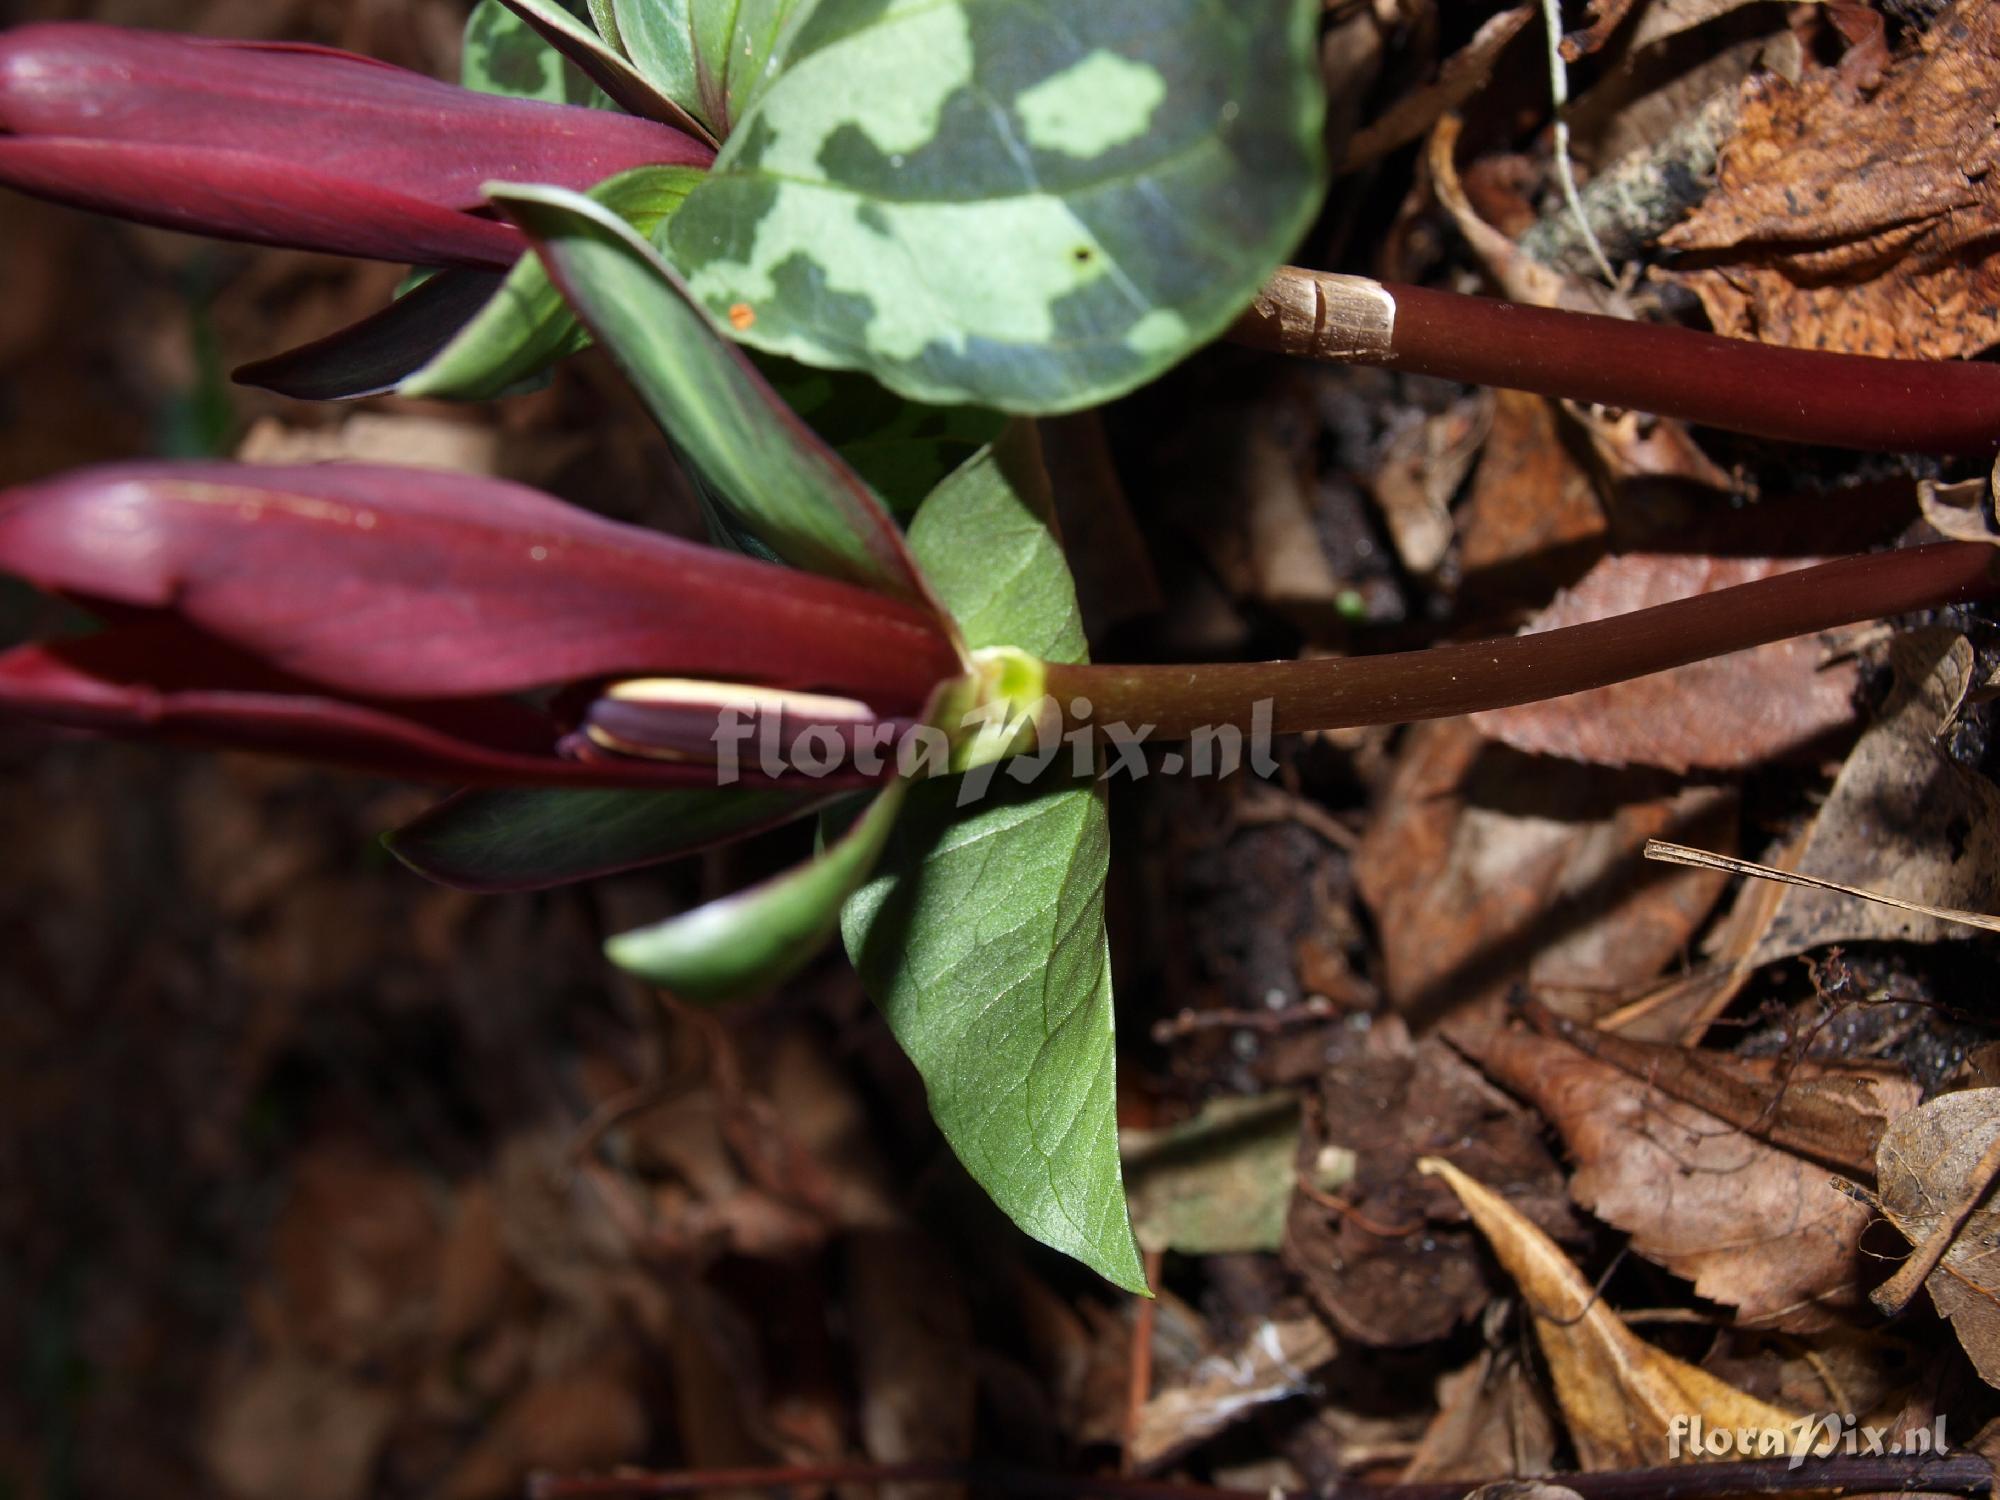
x=1139, y=1378
x=1893, y=1295
x=1190, y=1021
x=1565, y=171
x=1702, y=859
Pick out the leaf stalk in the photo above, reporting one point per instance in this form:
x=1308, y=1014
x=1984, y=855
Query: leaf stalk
x=1472, y=677
x=1739, y=385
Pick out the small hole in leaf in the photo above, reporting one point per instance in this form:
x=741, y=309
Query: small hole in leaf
x=1081, y=254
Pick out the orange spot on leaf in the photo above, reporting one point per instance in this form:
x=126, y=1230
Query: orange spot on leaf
x=741, y=316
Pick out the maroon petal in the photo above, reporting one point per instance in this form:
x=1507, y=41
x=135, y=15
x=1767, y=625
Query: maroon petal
x=402, y=583
x=335, y=114
x=164, y=683
x=238, y=195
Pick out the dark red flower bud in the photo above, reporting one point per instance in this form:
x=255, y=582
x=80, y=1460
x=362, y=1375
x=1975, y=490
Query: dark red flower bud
x=392, y=617
x=292, y=145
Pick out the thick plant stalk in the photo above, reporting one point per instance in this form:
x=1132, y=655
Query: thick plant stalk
x=1765, y=390
x=1404, y=686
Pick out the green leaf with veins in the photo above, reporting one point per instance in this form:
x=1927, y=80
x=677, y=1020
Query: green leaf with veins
x=526, y=325
x=981, y=936
x=710, y=55
x=1030, y=206
x=776, y=481
x=503, y=55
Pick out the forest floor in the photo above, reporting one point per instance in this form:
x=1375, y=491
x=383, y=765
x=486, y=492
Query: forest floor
x=317, y=1182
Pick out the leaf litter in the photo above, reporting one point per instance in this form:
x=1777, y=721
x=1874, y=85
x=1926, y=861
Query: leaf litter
x=403, y=1196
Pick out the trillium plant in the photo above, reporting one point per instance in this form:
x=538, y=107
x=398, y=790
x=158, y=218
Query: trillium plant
x=973, y=212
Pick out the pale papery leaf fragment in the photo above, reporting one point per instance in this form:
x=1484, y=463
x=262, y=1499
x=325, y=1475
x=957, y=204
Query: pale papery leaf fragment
x=1928, y=1163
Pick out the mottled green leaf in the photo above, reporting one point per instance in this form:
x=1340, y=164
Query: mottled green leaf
x=904, y=449
x=981, y=937
x=601, y=62
x=780, y=482
x=504, y=55
x=750, y=942
x=711, y=55
x=1035, y=207
x=531, y=838
x=526, y=326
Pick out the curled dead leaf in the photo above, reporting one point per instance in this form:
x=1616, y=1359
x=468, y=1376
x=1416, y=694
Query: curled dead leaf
x=1620, y=1396
x=1862, y=224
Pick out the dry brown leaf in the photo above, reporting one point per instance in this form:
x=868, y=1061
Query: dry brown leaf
x=1603, y=17
x=1531, y=521
x=1619, y=1395
x=1964, y=512
x=827, y=1119
x=1753, y=1226
x=1464, y=74
x=1659, y=20
x=1867, y=225
x=1833, y=1115
x=1422, y=466
x=1480, y=868
x=1721, y=714
x=1386, y=1257
x=1274, y=1363
x=1930, y=1160
x=1492, y=1419
x=1520, y=277
x=1903, y=819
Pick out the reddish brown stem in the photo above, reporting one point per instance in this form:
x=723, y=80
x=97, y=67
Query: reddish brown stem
x=1400, y=687
x=1794, y=395
x=1950, y=1474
